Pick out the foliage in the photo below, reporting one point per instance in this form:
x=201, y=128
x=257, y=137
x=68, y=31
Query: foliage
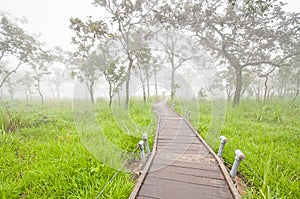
x=14, y=42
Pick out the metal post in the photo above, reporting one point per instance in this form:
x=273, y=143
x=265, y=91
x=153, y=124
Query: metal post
x=222, y=144
x=173, y=106
x=141, y=147
x=145, y=138
x=188, y=115
x=239, y=156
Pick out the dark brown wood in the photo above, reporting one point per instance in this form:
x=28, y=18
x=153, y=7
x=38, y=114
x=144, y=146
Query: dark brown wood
x=183, y=165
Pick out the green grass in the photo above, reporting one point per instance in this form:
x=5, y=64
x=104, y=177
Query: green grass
x=269, y=136
x=42, y=155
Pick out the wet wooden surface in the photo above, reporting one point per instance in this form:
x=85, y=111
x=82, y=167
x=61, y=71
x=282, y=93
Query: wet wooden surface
x=182, y=166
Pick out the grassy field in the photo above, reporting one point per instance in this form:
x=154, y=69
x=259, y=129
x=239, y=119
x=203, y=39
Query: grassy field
x=42, y=154
x=269, y=136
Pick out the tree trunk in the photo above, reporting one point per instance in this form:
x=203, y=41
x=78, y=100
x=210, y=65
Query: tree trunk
x=11, y=96
x=119, y=98
x=298, y=88
x=238, y=86
x=90, y=88
x=155, y=82
x=57, y=92
x=39, y=90
x=148, y=86
x=173, y=91
x=266, y=88
x=127, y=83
x=144, y=93
x=41, y=95
x=91, y=91
x=110, y=94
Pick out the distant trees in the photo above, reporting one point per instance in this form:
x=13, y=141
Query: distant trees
x=234, y=34
x=40, y=67
x=15, y=44
x=255, y=43
x=86, y=66
x=144, y=69
x=112, y=67
x=27, y=82
x=125, y=19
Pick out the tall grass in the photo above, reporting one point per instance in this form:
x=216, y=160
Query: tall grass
x=43, y=156
x=269, y=136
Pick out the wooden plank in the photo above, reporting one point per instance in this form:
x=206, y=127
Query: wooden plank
x=179, y=163
x=161, y=188
x=192, y=179
x=186, y=171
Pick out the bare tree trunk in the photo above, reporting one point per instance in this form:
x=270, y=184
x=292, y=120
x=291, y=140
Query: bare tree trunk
x=57, y=92
x=144, y=93
x=41, y=95
x=52, y=91
x=173, y=89
x=119, y=98
x=266, y=88
x=127, y=83
x=155, y=82
x=148, y=86
x=11, y=96
x=297, y=88
x=90, y=88
x=39, y=90
x=110, y=94
x=238, y=86
x=9, y=73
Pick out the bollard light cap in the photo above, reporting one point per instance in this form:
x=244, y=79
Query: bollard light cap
x=140, y=144
x=239, y=154
x=145, y=137
x=223, y=139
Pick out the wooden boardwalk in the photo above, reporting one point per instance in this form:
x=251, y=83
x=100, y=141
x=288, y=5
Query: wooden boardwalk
x=181, y=164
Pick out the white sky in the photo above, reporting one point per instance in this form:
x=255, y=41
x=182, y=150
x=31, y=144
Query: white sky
x=51, y=17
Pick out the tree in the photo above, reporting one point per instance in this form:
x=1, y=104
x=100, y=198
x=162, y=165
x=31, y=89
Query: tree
x=27, y=81
x=57, y=79
x=225, y=79
x=86, y=66
x=127, y=15
x=240, y=37
x=144, y=69
x=115, y=76
x=40, y=68
x=14, y=42
x=179, y=49
x=11, y=86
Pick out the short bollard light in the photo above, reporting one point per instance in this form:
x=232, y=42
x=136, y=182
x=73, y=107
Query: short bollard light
x=186, y=112
x=239, y=156
x=173, y=105
x=141, y=147
x=223, y=141
x=188, y=115
x=145, y=139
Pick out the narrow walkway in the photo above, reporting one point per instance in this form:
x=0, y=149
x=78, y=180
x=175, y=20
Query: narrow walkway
x=182, y=165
